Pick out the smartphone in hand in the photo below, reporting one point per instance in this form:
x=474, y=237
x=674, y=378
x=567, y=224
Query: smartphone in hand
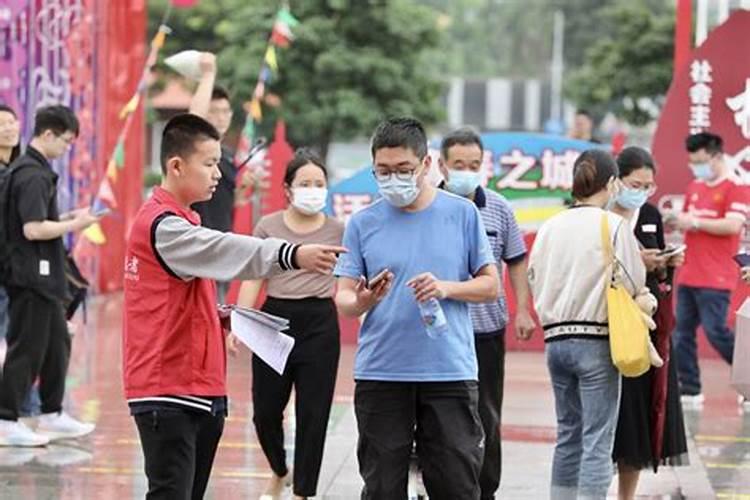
x=100, y=212
x=743, y=259
x=671, y=251
x=377, y=279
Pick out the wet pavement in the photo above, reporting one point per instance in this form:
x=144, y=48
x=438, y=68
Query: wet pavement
x=108, y=464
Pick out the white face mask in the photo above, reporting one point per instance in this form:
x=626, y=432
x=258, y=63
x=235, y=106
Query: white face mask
x=309, y=200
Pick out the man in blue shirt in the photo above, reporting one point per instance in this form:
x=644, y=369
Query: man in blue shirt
x=411, y=385
x=461, y=156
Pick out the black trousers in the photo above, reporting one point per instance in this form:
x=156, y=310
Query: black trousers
x=311, y=371
x=441, y=417
x=491, y=359
x=38, y=346
x=178, y=448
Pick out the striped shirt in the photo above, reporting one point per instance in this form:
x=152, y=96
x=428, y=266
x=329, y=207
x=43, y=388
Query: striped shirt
x=508, y=246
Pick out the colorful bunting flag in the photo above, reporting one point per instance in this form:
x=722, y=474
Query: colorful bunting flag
x=265, y=74
x=281, y=36
x=112, y=170
x=271, y=59
x=106, y=194
x=255, y=110
x=260, y=90
x=94, y=234
x=131, y=106
x=119, y=154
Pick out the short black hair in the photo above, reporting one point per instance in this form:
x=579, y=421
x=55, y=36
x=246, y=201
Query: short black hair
x=15, y=152
x=180, y=135
x=584, y=112
x=464, y=136
x=402, y=132
x=302, y=157
x=219, y=92
x=712, y=143
x=56, y=118
x=634, y=158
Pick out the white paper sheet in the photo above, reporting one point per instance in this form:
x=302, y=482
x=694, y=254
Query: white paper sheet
x=267, y=342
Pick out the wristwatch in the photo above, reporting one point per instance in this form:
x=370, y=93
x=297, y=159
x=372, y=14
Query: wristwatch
x=695, y=225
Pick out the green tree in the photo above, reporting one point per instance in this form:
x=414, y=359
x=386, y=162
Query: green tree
x=351, y=64
x=629, y=71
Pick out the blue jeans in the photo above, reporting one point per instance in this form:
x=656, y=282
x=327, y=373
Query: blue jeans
x=587, y=399
x=3, y=312
x=707, y=307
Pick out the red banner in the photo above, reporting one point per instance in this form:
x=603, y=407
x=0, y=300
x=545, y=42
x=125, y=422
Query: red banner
x=120, y=59
x=711, y=92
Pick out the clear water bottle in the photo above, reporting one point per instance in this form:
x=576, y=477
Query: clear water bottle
x=433, y=318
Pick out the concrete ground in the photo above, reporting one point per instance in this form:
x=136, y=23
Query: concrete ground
x=108, y=464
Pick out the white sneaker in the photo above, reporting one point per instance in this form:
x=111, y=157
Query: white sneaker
x=743, y=402
x=62, y=426
x=17, y=434
x=692, y=400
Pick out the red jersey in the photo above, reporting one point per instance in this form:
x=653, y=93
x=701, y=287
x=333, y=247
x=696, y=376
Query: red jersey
x=708, y=259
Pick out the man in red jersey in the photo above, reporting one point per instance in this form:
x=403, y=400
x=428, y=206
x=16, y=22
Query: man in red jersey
x=715, y=209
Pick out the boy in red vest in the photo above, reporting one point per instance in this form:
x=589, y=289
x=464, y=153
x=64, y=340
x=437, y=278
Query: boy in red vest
x=173, y=345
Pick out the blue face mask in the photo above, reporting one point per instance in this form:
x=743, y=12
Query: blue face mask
x=397, y=192
x=702, y=171
x=631, y=199
x=463, y=182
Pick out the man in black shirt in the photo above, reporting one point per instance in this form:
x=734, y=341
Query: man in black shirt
x=38, y=338
x=212, y=103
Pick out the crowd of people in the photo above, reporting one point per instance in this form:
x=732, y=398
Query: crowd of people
x=422, y=266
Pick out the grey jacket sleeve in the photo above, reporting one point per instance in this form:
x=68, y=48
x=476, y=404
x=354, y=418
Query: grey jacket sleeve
x=190, y=251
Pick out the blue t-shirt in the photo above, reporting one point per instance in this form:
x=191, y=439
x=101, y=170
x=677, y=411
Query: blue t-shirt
x=447, y=239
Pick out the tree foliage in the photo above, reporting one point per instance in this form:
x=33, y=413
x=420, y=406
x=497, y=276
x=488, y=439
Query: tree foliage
x=352, y=62
x=629, y=71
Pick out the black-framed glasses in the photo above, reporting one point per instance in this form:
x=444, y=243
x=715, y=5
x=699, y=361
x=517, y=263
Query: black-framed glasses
x=402, y=174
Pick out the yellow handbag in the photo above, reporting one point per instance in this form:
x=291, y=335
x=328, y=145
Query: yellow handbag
x=628, y=333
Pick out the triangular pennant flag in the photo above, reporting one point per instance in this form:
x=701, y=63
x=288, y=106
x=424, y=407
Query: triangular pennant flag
x=260, y=90
x=286, y=17
x=248, y=131
x=94, y=234
x=106, y=194
x=131, y=106
x=255, y=111
x=160, y=37
x=271, y=59
x=112, y=170
x=279, y=39
x=119, y=154
x=265, y=74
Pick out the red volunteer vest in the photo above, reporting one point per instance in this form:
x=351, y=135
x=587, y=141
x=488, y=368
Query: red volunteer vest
x=172, y=340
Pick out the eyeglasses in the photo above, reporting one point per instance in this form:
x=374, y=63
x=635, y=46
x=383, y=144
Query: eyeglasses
x=648, y=188
x=402, y=174
x=69, y=140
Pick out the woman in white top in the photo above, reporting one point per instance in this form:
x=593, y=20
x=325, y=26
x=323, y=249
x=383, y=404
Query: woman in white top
x=567, y=272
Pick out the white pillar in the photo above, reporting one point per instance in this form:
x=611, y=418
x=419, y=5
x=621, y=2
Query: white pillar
x=723, y=11
x=701, y=22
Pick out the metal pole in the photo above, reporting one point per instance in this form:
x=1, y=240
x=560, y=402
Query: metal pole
x=557, y=66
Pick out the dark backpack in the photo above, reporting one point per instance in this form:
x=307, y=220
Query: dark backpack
x=6, y=175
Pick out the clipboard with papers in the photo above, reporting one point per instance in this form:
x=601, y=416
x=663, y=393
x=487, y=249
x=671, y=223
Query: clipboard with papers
x=262, y=333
